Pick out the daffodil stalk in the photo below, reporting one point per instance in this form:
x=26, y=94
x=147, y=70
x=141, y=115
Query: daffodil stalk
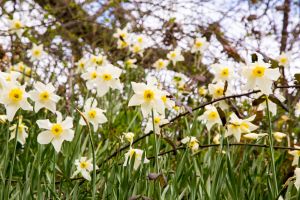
x=271, y=147
x=155, y=140
x=14, y=155
x=93, y=154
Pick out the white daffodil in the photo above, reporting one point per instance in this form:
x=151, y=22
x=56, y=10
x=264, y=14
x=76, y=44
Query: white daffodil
x=21, y=132
x=260, y=75
x=137, y=48
x=158, y=121
x=200, y=44
x=222, y=72
x=279, y=136
x=108, y=77
x=161, y=64
x=56, y=133
x=93, y=114
x=216, y=139
x=121, y=34
x=297, y=181
x=20, y=67
x=37, y=52
x=254, y=136
x=148, y=96
x=8, y=77
x=297, y=109
x=81, y=64
x=137, y=154
x=97, y=61
x=296, y=154
x=191, y=142
x=169, y=103
x=129, y=137
x=14, y=97
x=130, y=63
x=16, y=25
x=175, y=56
x=216, y=90
x=44, y=97
x=284, y=59
x=122, y=44
x=202, y=91
x=90, y=77
x=210, y=117
x=84, y=167
x=237, y=126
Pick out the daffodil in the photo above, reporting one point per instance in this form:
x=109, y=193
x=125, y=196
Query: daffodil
x=296, y=154
x=107, y=77
x=217, y=90
x=210, y=117
x=121, y=34
x=44, y=97
x=14, y=97
x=130, y=63
x=90, y=76
x=148, y=96
x=37, y=52
x=237, y=126
x=82, y=64
x=97, y=61
x=175, y=56
x=157, y=121
x=8, y=77
x=222, y=72
x=84, y=167
x=161, y=64
x=16, y=25
x=279, y=136
x=191, y=142
x=260, y=75
x=200, y=44
x=202, y=91
x=93, y=114
x=20, y=130
x=56, y=133
x=216, y=139
x=137, y=48
x=129, y=137
x=297, y=181
x=137, y=155
x=284, y=59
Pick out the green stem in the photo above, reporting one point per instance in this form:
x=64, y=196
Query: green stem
x=54, y=163
x=271, y=147
x=155, y=144
x=94, y=163
x=13, y=158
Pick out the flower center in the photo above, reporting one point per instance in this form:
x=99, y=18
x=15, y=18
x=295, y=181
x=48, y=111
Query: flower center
x=37, y=53
x=136, y=48
x=212, y=115
x=156, y=120
x=106, y=77
x=225, y=72
x=17, y=25
x=173, y=55
x=164, y=99
x=44, y=96
x=92, y=114
x=148, y=95
x=83, y=165
x=258, y=71
x=56, y=129
x=93, y=75
x=160, y=64
x=198, y=44
x=140, y=40
x=283, y=60
x=219, y=91
x=15, y=95
x=99, y=61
